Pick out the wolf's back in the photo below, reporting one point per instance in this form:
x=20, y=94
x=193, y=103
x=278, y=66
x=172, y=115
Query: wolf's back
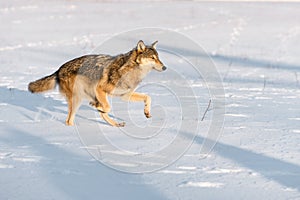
x=43, y=84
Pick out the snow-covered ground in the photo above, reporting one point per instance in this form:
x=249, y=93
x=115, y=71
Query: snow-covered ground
x=255, y=47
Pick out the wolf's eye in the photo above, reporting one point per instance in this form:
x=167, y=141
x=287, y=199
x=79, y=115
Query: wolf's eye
x=153, y=57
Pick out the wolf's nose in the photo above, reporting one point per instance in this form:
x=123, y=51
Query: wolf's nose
x=164, y=68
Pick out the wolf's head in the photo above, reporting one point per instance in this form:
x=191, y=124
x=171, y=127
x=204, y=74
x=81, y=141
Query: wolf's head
x=147, y=57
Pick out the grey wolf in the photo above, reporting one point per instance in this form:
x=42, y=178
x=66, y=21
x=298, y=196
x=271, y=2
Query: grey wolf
x=94, y=77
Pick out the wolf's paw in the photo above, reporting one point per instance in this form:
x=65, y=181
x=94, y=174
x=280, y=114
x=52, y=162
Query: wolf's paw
x=99, y=107
x=93, y=103
x=96, y=104
x=147, y=114
x=122, y=124
x=69, y=123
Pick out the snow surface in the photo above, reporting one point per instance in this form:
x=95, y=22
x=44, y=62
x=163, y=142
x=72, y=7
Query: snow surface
x=255, y=47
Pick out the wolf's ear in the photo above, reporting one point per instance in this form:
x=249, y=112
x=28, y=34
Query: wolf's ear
x=154, y=44
x=141, y=46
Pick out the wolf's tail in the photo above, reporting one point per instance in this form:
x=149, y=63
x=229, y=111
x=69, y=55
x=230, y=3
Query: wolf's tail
x=43, y=84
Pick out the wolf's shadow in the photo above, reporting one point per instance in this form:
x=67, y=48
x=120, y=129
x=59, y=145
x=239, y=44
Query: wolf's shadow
x=42, y=106
x=38, y=104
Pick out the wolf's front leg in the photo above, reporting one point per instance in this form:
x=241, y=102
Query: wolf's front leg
x=73, y=104
x=103, y=107
x=140, y=97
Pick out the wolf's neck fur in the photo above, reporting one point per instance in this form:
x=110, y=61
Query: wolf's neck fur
x=127, y=73
x=126, y=63
x=134, y=69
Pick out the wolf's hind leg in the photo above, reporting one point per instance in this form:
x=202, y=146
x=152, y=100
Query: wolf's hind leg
x=101, y=100
x=103, y=107
x=140, y=97
x=73, y=105
x=111, y=121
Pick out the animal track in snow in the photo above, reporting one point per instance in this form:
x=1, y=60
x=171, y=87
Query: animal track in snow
x=236, y=32
x=4, y=166
x=173, y=172
x=296, y=131
x=28, y=159
x=295, y=118
x=201, y=184
x=19, y=8
x=236, y=115
x=224, y=171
